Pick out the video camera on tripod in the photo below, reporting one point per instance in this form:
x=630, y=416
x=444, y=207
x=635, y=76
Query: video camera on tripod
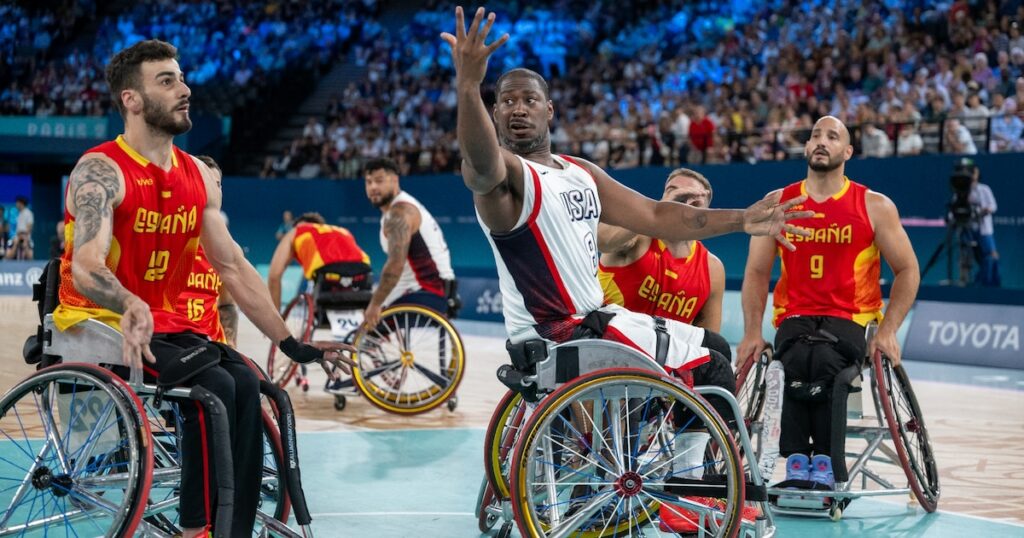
x=961, y=211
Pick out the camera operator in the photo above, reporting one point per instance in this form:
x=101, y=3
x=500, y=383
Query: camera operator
x=983, y=203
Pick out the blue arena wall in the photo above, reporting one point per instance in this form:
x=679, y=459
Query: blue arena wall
x=918, y=185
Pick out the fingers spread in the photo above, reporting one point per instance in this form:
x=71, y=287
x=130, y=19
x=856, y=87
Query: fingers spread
x=460, y=23
x=785, y=242
x=148, y=354
x=476, y=23
x=494, y=46
x=793, y=201
x=790, y=215
x=797, y=230
x=487, y=27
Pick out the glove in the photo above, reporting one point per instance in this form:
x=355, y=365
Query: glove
x=299, y=352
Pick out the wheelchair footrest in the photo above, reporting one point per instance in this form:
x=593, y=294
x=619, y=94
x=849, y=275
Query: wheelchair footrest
x=798, y=498
x=709, y=486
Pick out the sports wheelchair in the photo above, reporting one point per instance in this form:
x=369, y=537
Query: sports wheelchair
x=584, y=444
x=90, y=449
x=895, y=436
x=410, y=363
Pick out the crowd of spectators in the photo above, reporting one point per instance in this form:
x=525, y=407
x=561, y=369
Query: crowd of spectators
x=232, y=43
x=665, y=83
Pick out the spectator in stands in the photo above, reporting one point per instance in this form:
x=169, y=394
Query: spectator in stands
x=874, y=142
x=910, y=141
x=21, y=245
x=701, y=131
x=1007, y=129
x=958, y=139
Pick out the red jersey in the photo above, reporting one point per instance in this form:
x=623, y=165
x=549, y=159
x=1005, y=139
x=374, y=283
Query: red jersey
x=659, y=284
x=155, y=235
x=834, y=272
x=199, y=299
x=317, y=245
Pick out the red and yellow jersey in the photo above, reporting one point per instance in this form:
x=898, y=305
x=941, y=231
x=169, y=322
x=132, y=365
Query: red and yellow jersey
x=317, y=245
x=835, y=271
x=200, y=298
x=155, y=235
x=659, y=284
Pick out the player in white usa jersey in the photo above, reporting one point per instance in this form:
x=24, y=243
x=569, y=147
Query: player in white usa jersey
x=540, y=213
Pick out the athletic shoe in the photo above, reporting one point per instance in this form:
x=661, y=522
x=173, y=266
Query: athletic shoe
x=798, y=467
x=674, y=518
x=305, y=384
x=821, y=470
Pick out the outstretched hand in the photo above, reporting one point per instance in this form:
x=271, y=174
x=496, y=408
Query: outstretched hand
x=335, y=355
x=469, y=49
x=769, y=217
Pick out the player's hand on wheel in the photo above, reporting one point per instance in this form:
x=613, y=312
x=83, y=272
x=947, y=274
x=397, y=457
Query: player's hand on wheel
x=748, y=349
x=137, y=329
x=469, y=49
x=323, y=352
x=769, y=217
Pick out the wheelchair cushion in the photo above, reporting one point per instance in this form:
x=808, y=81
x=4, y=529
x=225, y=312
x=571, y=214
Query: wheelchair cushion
x=188, y=364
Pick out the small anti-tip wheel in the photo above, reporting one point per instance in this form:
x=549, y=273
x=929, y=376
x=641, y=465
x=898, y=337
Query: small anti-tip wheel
x=505, y=531
x=339, y=402
x=835, y=513
x=452, y=403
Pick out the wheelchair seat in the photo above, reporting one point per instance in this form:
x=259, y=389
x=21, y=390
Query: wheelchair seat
x=342, y=286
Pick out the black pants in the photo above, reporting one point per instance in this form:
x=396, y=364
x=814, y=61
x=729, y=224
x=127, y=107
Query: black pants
x=806, y=424
x=238, y=388
x=717, y=372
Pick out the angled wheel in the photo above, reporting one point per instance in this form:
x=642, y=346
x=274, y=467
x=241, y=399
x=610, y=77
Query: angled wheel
x=750, y=386
x=598, y=458
x=909, y=433
x=76, y=458
x=502, y=433
x=485, y=519
x=299, y=316
x=411, y=362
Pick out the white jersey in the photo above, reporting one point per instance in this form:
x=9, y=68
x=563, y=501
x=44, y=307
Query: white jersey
x=428, y=263
x=547, y=264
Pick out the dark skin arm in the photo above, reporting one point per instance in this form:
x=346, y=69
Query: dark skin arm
x=95, y=188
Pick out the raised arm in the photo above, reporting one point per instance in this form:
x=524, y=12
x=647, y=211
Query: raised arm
x=619, y=246
x=894, y=245
x=400, y=223
x=278, y=263
x=95, y=188
x=244, y=283
x=491, y=172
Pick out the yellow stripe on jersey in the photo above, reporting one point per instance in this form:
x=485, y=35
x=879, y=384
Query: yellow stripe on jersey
x=612, y=293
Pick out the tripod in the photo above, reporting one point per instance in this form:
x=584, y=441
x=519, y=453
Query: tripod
x=958, y=230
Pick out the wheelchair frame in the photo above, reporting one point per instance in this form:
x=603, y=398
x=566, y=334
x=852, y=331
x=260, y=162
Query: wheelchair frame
x=93, y=349
x=570, y=365
x=832, y=503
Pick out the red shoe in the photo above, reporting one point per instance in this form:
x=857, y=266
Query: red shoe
x=674, y=518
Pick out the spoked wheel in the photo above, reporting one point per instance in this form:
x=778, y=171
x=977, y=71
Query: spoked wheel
x=486, y=499
x=502, y=433
x=909, y=434
x=411, y=362
x=750, y=386
x=75, y=459
x=298, y=315
x=599, y=458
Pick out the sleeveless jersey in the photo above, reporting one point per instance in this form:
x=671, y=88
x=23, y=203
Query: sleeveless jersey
x=316, y=245
x=835, y=272
x=429, y=263
x=547, y=264
x=660, y=284
x=199, y=299
x=155, y=236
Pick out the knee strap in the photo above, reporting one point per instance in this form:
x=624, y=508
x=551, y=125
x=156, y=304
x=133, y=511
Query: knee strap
x=188, y=364
x=661, y=340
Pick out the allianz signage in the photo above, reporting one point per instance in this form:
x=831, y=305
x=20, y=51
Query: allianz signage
x=55, y=127
x=984, y=335
x=17, y=277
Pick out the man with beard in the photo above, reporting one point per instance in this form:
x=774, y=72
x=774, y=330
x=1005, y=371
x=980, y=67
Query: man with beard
x=418, y=269
x=830, y=284
x=137, y=208
x=540, y=213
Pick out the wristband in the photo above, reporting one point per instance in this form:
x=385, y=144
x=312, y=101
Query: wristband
x=298, y=352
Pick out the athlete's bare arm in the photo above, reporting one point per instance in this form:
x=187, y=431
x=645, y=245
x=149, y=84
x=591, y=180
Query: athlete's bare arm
x=673, y=221
x=754, y=295
x=618, y=246
x=278, y=263
x=399, y=225
x=493, y=173
x=95, y=188
x=894, y=245
x=241, y=279
x=228, y=310
x=710, y=316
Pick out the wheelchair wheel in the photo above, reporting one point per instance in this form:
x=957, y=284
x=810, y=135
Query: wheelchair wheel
x=486, y=498
x=750, y=386
x=597, y=458
x=76, y=460
x=909, y=433
x=502, y=434
x=411, y=362
x=299, y=316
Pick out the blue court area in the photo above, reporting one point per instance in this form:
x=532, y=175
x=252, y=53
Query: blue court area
x=423, y=483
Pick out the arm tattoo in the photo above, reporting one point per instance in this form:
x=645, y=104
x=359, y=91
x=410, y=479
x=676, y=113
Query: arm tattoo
x=93, y=188
x=396, y=230
x=699, y=221
x=229, y=320
x=105, y=290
